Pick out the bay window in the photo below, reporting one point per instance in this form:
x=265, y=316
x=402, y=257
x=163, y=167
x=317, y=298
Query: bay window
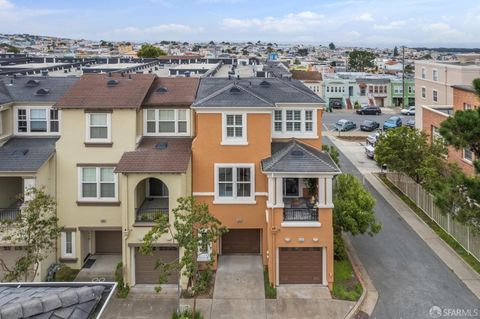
x=287, y=122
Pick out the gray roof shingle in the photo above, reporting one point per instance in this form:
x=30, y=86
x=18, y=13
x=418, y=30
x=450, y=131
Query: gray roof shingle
x=296, y=157
x=26, y=154
x=4, y=95
x=252, y=92
x=25, y=88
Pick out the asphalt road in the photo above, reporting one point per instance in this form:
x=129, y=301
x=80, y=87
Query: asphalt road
x=329, y=119
x=408, y=275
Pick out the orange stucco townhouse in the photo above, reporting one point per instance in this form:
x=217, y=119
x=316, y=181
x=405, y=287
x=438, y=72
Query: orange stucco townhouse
x=257, y=162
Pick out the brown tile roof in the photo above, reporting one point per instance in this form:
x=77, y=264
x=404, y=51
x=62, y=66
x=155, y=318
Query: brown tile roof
x=101, y=91
x=172, y=91
x=150, y=157
x=306, y=75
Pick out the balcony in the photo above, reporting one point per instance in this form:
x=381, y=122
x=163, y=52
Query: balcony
x=10, y=213
x=299, y=210
x=151, y=209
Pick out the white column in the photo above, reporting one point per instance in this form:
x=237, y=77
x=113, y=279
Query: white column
x=271, y=191
x=279, y=191
x=329, y=200
x=321, y=192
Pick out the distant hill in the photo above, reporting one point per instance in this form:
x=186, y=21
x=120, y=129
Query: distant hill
x=450, y=50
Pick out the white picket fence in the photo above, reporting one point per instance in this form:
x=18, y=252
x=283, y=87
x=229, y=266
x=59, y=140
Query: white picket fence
x=463, y=234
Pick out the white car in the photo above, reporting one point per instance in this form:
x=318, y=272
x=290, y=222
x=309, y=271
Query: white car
x=408, y=111
x=370, y=145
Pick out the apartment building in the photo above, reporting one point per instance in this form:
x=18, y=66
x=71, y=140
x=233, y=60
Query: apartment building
x=258, y=164
x=311, y=79
x=434, y=79
x=464, y=98
x=29, y=129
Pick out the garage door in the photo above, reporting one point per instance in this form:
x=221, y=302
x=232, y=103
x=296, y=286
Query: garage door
x=108, y=242
x=300, y=265
x=241, y=241
x=145, y=272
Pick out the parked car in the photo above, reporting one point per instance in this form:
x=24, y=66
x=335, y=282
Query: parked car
x=370, y=145
x=336, y=104
x=345, y=125
x=392, y=122
x=369, y=110
x=410, y=123
x=408, y=111
x=369, y=126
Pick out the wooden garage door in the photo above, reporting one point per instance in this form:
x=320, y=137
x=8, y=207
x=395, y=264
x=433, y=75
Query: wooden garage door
x=241, y=241
x=108, y=242
x=145, y=272
x=300, y=265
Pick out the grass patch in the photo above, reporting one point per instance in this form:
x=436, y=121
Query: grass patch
x=270, y=291
x=345, y=284
x=187, y=314
x=468, y=258
x=66, y=274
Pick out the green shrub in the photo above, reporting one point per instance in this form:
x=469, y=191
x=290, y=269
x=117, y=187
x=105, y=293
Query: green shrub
x=65, y=273
x=122, y=288
x=339, y=252
x=186, y=314
x=270, y=290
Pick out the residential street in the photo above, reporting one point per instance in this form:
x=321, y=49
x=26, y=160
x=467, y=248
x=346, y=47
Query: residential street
x=408, y=275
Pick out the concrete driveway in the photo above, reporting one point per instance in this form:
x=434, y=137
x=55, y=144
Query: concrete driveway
x=103, y=269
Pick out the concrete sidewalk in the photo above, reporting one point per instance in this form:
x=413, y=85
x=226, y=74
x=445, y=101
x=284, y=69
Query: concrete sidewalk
x=464, y=272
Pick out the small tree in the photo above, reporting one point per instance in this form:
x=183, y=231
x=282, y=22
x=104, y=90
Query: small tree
x=409, y=151
x=150, y=51
x=353, y=207
x=195, y=230
x=331, y=46
x=36, y=229
x=360, y=60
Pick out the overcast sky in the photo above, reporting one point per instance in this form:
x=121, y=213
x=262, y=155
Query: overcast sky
x=374, y=23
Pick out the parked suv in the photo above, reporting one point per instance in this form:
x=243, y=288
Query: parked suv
x=345, y=125
x=392, y=122
x=369, y=110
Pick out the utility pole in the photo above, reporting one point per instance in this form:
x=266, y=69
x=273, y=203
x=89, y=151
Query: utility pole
x=403, y=76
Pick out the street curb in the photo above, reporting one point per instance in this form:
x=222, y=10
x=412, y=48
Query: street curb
x=368, y=300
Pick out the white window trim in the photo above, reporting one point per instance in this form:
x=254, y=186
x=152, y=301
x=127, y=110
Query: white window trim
x=423, y=89
x=157, y=117
x=80, y=198
x=234, y=140
x=433, y=96
x=28, y=108
x=469, y=161
x=435, y=79
x=64, y=244
x=302, y=133
x=109, y=129
x=423, y=74
x=235, y=200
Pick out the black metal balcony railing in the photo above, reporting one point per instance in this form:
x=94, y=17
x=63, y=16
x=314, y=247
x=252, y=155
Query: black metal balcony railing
x=149, y=214
x=300, y=214
x=9, y=213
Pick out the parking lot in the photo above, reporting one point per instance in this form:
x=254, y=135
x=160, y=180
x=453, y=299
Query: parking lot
x=329, y=119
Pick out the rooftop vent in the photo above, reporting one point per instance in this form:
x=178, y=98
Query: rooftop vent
x=297, y=153
x=17, y=154
x=162, y=89
x=112, y=82
x=42, y=92
x=265, y=84
x=32, y=83
x=161, y=145
x=235, y=90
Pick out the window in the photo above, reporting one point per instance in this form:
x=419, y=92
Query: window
x=467, y=155
x=435, y=95
x=234, y=182
x=290, y=187
x=36, y=120
x=97, y=184
x=68, y=244
x=205, y=247
x=424, y=93
x=166, y=122
x=234, y=129
x=410, y=90
x=435, y=75
x=294, y=122
x=424, y=73
x=467, y=106
x=98, y=127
